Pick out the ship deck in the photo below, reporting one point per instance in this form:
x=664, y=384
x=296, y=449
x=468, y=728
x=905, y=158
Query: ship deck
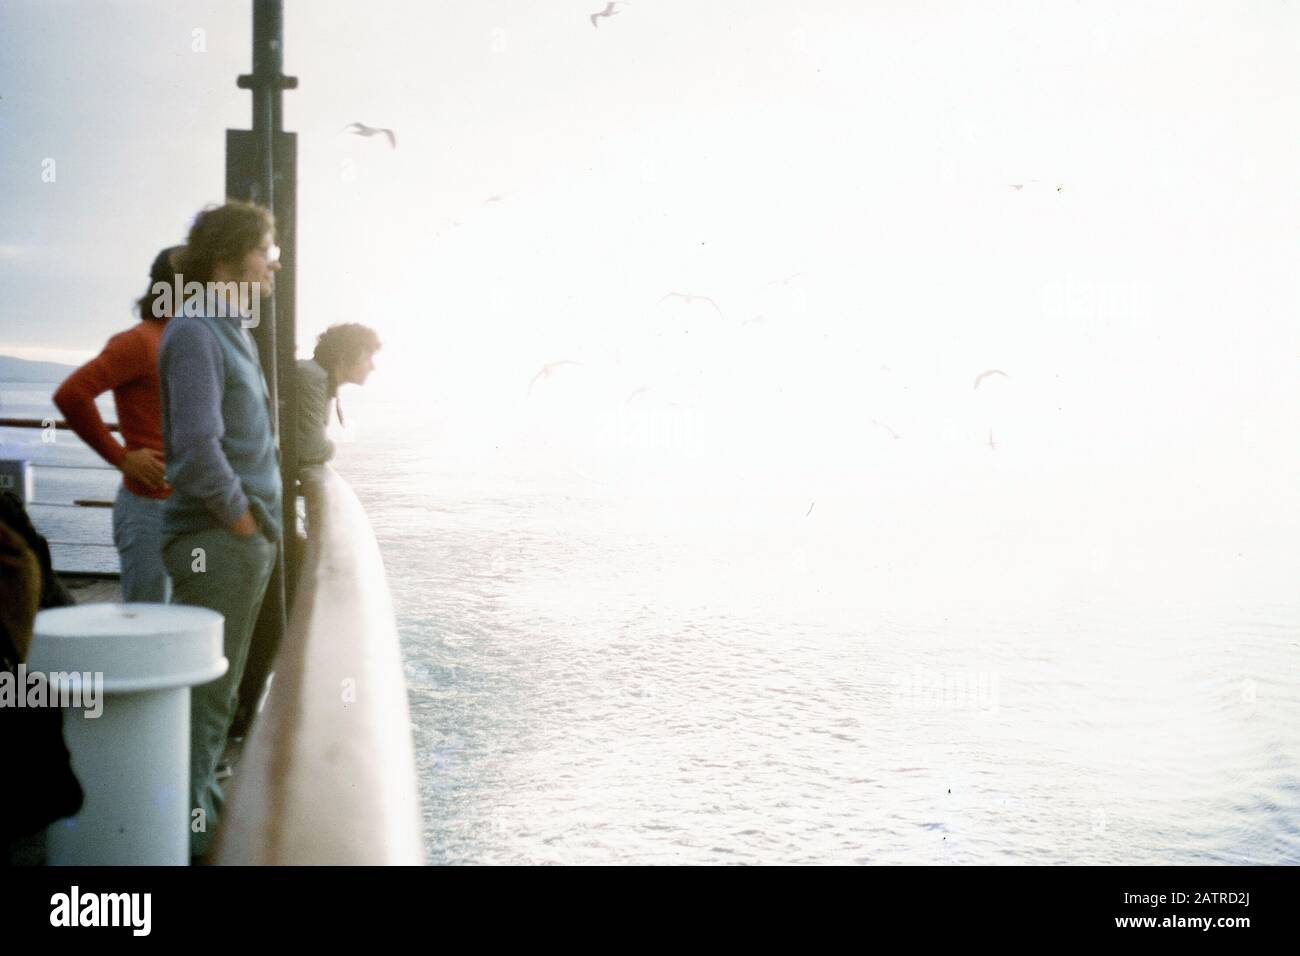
x=93, y=590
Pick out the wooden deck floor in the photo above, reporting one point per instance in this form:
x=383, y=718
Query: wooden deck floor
x=94, y=590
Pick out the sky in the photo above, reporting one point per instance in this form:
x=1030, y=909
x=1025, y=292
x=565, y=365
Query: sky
x=879, y=199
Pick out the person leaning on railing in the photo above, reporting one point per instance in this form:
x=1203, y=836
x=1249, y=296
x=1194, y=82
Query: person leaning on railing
x=222, y=521
x=129, y=366
x=344, y=356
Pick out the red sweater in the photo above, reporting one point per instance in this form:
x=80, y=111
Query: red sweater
x=129, y=366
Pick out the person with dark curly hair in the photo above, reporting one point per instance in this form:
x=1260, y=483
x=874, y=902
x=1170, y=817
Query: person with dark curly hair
x=222, y=522
x=344, y=356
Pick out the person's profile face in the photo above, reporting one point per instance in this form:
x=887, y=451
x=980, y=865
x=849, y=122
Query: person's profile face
x=261, y=264
x=359, y=369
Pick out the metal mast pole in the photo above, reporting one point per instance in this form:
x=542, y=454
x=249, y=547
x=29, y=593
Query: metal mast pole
x=261, y=167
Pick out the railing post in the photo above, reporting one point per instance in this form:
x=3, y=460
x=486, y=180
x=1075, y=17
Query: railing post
x=132, y=666
x=16, y=476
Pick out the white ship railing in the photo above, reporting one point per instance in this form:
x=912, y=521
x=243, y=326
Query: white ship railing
x=328, y=773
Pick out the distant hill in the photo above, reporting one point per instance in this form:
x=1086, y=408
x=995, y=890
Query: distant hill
x=26, y=371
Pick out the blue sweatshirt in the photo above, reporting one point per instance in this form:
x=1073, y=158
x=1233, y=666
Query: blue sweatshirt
x=217, y=437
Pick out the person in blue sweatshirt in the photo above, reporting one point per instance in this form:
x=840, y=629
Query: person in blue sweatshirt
x=222, y=523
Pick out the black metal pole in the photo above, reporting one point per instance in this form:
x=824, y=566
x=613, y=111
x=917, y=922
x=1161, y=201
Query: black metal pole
x=268, y=44
x=262, y=167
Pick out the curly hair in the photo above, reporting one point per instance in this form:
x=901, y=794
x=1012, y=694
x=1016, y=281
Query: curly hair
x=223, y=234
x=340, y=344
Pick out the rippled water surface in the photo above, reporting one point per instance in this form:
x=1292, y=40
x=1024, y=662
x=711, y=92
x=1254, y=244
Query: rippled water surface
x=597, y=679
x=686, y=678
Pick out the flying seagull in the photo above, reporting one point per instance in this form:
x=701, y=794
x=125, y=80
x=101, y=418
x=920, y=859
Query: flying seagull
x=788, y=279
x=1019, y=186
x=993, y=371
x=609, y=11
x=634, y=393
x=546, y=370
x=688, y=299
x=361, y=129
x=810, y=508
x=892, y=433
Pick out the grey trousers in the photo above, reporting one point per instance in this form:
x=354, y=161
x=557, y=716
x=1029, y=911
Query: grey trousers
x=220, y=570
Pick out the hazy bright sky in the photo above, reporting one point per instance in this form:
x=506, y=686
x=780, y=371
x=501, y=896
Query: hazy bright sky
x=1145, y=310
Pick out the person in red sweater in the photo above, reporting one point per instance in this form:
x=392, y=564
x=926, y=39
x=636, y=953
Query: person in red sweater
x=128, y=366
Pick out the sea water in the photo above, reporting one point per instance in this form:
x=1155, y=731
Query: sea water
x=613, y=661
x=620, y=664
